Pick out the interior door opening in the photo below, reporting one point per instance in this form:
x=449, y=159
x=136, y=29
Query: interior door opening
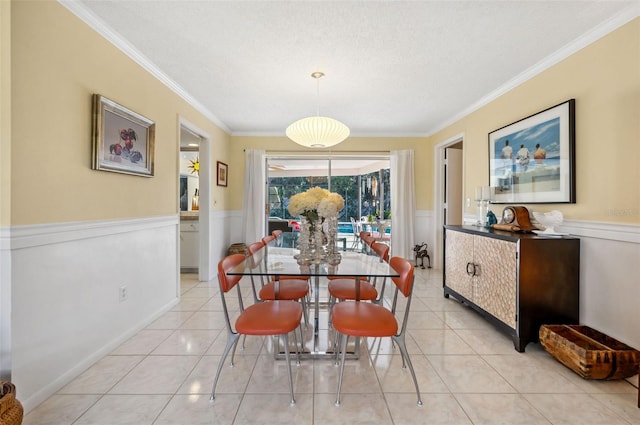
x=195, y=170
x=448, y=189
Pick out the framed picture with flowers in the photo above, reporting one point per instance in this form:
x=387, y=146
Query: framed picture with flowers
x=123, y=140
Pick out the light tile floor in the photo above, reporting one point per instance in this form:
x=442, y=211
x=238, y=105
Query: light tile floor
x=469, y=373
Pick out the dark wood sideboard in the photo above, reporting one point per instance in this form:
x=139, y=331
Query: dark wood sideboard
x=518, y=281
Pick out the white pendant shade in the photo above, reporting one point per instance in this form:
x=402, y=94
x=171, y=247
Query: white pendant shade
x=317, y=132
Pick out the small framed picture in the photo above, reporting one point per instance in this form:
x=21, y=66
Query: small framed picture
x=223, y=174
x=123, y=141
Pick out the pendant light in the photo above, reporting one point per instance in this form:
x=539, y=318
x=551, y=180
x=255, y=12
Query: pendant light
x=317, y=132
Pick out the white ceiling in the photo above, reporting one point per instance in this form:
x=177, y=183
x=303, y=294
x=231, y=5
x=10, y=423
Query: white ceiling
x=393, y=68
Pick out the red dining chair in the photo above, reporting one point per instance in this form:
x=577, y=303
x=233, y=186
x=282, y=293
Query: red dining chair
x=344, y=288
x=361, y=319
x=261, y=319
x=289, y=287
x=267, y=239
x=367, y=240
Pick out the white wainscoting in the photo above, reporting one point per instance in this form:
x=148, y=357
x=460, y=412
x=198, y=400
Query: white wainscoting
x=225, y=228
x=64, y=280
x=424, y=232
x=609, y=288
x=65, y=287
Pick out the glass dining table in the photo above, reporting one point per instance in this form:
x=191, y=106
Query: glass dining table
x=279, y=261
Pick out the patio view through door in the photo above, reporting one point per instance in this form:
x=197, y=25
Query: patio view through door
x=363, y=182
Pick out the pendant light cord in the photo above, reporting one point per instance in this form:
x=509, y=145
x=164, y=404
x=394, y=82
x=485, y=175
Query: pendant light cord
x=318, y=97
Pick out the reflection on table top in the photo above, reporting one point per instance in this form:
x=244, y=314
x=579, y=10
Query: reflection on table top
x=280, y=262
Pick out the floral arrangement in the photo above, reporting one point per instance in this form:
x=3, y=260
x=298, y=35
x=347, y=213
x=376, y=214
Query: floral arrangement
x=316, y=203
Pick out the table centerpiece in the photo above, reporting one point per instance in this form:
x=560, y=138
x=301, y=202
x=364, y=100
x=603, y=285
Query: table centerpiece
x=318, y=210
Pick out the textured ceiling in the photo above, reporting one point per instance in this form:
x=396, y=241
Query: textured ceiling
x=392, y=68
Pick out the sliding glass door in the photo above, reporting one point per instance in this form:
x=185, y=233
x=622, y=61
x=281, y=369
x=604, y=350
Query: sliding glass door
x=363, y=182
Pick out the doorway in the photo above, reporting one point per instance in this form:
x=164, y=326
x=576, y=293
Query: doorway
x=449, y=178
x=194, y=174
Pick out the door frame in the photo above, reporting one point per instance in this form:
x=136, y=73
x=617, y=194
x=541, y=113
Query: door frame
x=204, y=212
x=438, y=191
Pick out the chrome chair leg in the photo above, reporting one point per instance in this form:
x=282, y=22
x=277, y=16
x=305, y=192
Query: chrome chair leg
x=295, y=344
x=399, y=339
x=344, y=352
x=301, y=339
x=231, y=342
x=286, y=353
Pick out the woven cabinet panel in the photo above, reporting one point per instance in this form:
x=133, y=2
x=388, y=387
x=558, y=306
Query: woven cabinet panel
x=495, y=284
x=459, y=252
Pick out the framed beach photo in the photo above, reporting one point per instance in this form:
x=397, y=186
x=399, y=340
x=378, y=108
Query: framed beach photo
x=222, y=174
x=533, y=160
x=123, y=141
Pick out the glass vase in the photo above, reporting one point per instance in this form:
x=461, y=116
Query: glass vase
x=333, y=256
x=318, y=241
x=304, y=242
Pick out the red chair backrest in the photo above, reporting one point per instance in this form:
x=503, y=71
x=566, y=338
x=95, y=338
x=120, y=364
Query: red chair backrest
x=230, y=263
x=268, y=239
x=256, y=253
x=367, y=238
x=382, y=250
x=404, y=268
x=276, y=233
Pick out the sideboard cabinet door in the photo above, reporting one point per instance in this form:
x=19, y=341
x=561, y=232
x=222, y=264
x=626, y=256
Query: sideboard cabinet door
x=495, y=290
x=459, y=263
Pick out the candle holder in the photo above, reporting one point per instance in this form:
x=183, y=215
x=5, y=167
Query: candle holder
x=484, y=210
x=478, y=199
x=483, y=198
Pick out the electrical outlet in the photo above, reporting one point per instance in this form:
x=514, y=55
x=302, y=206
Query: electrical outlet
x=468, y=202
x=123, y=293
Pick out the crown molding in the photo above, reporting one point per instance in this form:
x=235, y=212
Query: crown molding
x=625, y=16
x=615, y=22
x=128, y=49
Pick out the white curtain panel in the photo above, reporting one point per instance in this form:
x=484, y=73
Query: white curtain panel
x=254, y=196
x=403, y=204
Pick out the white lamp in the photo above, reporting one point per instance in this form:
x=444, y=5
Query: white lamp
x=317, y=132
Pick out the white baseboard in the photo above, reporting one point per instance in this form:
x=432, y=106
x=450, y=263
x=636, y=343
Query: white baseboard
x=51, y=388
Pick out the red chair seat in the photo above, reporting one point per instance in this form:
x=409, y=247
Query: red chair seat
x=290, y=289
x=363, y=319
x=270, y=318
x=345, y=289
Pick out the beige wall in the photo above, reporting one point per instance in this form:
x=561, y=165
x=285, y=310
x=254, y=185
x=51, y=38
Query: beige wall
x=604, y=78
x=5, y=113
x=57, y=63
x=423, y=154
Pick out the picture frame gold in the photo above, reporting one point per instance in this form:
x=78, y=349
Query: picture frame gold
x=222, y=173
x=123, y=140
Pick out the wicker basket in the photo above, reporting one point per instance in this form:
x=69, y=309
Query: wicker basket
x=588, y=352
x=238, y=248
x=10, y=408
